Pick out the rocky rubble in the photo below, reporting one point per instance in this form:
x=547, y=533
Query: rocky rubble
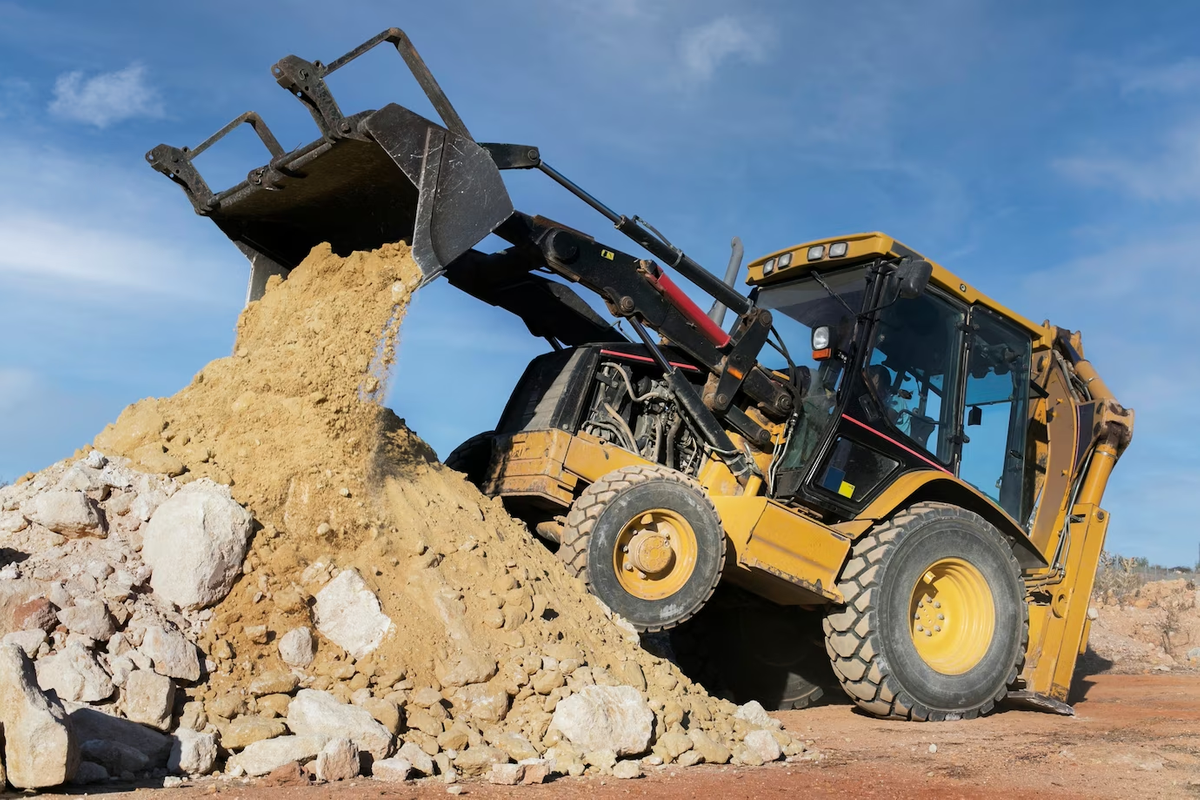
x=81, y=600
x=1154, y=626
x=268, y=572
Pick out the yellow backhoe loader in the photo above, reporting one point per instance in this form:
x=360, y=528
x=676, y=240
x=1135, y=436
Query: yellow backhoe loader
x=872, y=442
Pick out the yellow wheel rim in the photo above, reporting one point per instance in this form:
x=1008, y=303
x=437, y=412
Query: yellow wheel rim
x=952, y=616
x=655, y=554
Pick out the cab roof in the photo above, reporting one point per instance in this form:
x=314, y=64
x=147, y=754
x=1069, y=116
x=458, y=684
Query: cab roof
x=864, y=247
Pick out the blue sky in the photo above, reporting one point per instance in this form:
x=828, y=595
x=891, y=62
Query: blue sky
x=1049, y=153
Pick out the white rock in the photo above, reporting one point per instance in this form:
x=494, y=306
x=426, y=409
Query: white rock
x=599, y=718
x=88, y=617
x=418, y=759
x=268, y=755
x=195, y=544
x=756, y=715
x=73, y=514
x=12, y=522
x=506, y=774
x=627, y=770
x=338, y=761
x=192, y=753
x=482, y=702
x=148, y=698
x=763, y=745
x=39, y=749
x=317, y=713
x=74, y=674
x=173, y=655
x=94, y=459
x=80, y=478
x=296, y=647
x=391, y=770
x=349, y=615
x=29, y=641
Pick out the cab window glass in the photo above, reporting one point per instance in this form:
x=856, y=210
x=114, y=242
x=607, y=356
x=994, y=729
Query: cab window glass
x=914, y=356
x=996, y=416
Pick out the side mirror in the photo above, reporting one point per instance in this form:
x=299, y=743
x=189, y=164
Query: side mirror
x=912, y=276
x=974, y=416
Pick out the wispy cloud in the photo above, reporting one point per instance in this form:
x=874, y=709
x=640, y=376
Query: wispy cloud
x=105, y=99
x=1174, y=78
x=82, y=224
x=1132, y=301
x=1170, y=173
x=704, y=48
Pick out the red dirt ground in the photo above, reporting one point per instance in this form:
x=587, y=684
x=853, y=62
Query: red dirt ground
x=1132, y=736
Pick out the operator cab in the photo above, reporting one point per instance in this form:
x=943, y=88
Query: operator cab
x=909, y=369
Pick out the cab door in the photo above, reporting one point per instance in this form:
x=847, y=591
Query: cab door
x=996, y=411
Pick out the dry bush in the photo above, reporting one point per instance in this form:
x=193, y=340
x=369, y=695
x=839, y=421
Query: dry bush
x=1175, y=611
x=1118, y=578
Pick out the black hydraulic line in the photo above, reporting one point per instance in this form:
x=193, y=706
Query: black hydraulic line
x=673, y=256
x=694, y=407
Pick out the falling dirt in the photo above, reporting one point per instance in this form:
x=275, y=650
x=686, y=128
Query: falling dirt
x=292, y=422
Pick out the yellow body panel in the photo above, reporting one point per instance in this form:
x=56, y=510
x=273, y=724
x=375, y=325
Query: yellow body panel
x=772, y=540
x=531, y=464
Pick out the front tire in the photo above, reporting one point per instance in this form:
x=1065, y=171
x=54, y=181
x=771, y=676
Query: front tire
x=473, y=457
x=935, y=622
x=648, y=542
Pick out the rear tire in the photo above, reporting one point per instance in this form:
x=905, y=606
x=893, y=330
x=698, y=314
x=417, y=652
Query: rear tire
x=935, y=622
x=648, y=542
x=751, y=649
x=472, y=457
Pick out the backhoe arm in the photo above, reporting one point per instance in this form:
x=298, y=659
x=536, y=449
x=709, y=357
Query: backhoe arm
x=1088, y=430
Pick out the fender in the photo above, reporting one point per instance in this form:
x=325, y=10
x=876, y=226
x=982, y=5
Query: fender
x=930, y=484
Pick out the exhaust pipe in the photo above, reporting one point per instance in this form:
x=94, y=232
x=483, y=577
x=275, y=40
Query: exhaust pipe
x=717, y=312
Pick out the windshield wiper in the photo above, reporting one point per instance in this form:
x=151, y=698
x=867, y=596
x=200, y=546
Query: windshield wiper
x=832, y=293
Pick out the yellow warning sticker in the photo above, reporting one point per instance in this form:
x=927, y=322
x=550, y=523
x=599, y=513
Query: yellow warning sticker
x=608, y=254
x=846, y=489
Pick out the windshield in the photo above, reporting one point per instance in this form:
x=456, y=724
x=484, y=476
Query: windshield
x=797, y=308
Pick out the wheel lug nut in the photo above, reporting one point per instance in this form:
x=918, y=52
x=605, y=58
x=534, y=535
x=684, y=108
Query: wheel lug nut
x=917, y=615
x=941, y=616
x=629, y=567
x=937, y=604
x=920, y=628
x=929, y=633
x=937, y=627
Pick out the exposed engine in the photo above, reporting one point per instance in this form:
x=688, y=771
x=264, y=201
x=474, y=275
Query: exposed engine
x=640, y=415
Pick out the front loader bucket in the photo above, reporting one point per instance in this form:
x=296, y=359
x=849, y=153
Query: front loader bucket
x=372, y=178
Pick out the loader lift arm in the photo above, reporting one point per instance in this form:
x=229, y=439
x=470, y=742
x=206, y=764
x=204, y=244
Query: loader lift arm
x=391, y=174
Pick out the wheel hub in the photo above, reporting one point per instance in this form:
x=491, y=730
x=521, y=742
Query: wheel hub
x=952, y=615
x=651, y=552
x=655, y=554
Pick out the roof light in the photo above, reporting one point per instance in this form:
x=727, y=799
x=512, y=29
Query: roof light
x=785, y=260
x=838, y=249
x=816, y=252
x=769, y=267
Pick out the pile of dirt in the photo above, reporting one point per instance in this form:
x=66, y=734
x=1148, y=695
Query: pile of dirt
x=1154, y=626
x=477, y=609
